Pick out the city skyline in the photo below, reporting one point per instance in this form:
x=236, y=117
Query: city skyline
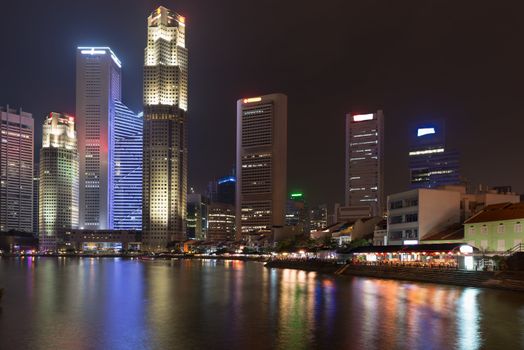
x=404, y=96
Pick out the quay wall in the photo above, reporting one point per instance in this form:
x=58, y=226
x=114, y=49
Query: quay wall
x=481, y=279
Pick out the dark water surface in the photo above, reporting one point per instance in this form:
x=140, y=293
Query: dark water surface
x=68, y=303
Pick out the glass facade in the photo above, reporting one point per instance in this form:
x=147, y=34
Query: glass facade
x=431, y=163
x=125, y=173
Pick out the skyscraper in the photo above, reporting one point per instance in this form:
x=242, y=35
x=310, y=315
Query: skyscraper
x=104, y=126
x=36, y=189
x=165, y=136
x=297, y=213
x=59, y=179
x=261, y=166
x=365, y=162
x=16, y=170
x=196, y=223
x=126, y=170
x=431, y=162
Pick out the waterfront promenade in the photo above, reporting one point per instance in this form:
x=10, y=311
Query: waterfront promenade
x=482, y=279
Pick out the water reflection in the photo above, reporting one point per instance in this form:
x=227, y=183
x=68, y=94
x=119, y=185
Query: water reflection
x=182, y=304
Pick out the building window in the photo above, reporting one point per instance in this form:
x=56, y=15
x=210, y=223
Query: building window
x=518, y=227
x=471, y=230
x=484, y=229
x=412, y=217
x=500, y=228
x=501, y=245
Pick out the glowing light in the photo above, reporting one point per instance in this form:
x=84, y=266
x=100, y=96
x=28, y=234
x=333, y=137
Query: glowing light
x=410, y=242
x=362, y=117
x=466, y=249
x=100, y=51
x=226, y=179
x=425, y=131
x=181, y=19
x=252, y=99
x=92, y=51
x=426, y=151
x=296, y=195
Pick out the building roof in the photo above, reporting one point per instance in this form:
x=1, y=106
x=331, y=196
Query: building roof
x=415, y=248
x=452, y=232
x=498, y=212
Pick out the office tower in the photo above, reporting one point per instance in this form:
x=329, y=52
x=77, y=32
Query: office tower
x=318, y=218
x=226, y=190
x=222, y=190
x=365, y=163
x=59, y=179
x=297, y=213
x=431, y=163
x=221, y=222
x=165, y=137
x=103, y=122
x=196, y=223
x=261, y=166
x=126, y=170
x=36, y=189
x=16, y=170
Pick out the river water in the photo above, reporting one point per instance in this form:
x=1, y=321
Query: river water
x=106, y=303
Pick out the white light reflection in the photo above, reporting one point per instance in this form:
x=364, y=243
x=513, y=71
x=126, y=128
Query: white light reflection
x=468, y=320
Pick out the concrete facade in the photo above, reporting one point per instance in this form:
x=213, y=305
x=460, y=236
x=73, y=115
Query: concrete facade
x=365, y=161
x=16, y=170
x=261, y=166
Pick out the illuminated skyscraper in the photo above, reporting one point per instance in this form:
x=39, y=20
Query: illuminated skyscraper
x=36, y=189
x=59, y=179
x=126, y=170
x=261, y=166
x=431, y=163
x=365, y=163
x=165, y=136
x=105, y=128
x=16, y=170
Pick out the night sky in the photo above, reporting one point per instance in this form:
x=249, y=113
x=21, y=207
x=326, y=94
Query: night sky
x=461, y=61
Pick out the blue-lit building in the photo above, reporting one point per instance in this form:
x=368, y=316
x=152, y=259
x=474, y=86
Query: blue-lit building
x=226, y=190
x=222, y=190
x=125, y=175
x=431, y=163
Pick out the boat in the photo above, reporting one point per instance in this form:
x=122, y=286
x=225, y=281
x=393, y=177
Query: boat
x=146, y=258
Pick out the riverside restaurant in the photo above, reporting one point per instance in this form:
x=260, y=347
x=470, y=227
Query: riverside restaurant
x=444, y=256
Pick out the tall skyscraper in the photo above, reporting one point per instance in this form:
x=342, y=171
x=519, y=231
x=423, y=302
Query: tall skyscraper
x=104, y=125
x=365, y=162
x=261, y=166
x=36, y=189
x=16, y=170
x=431, y=162
x=59, y=179
x=165, y=136
x=126, y=170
